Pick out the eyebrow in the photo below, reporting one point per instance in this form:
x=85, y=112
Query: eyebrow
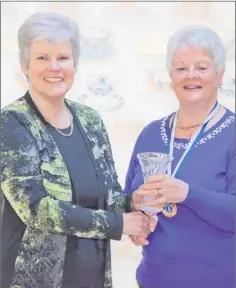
x=65, y=53
x=179, y=62
x=40, y=53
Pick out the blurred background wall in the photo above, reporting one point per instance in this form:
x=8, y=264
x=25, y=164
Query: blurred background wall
x=121, y=71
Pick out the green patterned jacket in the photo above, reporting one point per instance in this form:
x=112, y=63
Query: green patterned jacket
x=30, y=158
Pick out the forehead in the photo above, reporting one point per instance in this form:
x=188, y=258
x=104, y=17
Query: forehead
x=192, y=55
x=50, y=47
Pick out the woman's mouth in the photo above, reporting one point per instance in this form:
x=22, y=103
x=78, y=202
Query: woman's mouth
x=192, y=87
x=54, y=79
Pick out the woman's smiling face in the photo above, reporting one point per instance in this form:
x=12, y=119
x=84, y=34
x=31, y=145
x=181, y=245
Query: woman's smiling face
x=51, y=68
x=194, y=76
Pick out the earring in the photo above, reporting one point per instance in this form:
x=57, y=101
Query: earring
x=26, y=78
x=220, y=85
x=170, y=85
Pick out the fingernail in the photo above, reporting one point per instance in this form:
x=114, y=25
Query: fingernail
x=155, y=217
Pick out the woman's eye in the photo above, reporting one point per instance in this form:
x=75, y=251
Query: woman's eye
x=180, y=69
x=42, y=58
x=202, y=68
x=63, y=58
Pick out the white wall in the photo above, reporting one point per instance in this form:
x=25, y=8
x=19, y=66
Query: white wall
x=124, y=42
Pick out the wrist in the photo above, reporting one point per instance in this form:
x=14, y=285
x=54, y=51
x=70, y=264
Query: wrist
x=185, y=191
x=133, y=205
x=128, y=202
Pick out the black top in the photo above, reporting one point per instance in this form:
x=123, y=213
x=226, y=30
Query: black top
x=84, y=257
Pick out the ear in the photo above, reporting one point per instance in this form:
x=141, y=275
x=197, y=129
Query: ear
x=221, y=75
x=76, y=67
x=23, y=69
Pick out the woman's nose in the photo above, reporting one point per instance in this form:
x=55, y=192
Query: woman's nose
x=191, y=73
x=54, y=65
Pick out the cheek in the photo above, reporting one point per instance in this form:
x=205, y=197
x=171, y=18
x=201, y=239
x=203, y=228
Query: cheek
x=69, y=71
x=209, y=77
x=71, y=74
x=34, y=75
x=36, y=71
x=177, y=82
x=209, y=82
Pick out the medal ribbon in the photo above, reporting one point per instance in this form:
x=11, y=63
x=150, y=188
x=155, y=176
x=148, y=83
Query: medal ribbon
x=171, y=209
x=193, y=140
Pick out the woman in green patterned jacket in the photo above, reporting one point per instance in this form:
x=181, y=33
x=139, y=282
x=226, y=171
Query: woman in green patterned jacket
x=61, y=202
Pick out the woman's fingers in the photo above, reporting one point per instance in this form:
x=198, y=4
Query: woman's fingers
x=154, y=192
x=139, y=241
x=159, y=202
x=153, y=220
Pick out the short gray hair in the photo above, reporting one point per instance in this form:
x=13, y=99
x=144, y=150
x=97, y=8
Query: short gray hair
x=199, y=37
x=50, y=26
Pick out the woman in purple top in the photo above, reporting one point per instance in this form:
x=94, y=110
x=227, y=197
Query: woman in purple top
x=193, y=243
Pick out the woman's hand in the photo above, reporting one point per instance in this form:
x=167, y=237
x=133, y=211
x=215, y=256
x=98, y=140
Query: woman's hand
x=164, y=189
x=141, y=241
x=138, y=224
x=137, y=201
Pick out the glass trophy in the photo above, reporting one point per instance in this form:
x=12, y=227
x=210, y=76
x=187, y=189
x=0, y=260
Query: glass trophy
x=153, y=163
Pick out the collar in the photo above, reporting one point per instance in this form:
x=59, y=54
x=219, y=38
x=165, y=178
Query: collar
x=31, y=103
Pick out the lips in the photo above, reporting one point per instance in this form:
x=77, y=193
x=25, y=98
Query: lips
x=53, y=79
x=192, y=87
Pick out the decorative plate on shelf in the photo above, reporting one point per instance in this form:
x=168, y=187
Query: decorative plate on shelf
x=228, y=88
x=97, y=44
x=100, y=93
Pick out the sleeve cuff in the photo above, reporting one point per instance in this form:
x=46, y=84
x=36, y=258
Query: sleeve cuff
x=116, y=232
x=128, y=202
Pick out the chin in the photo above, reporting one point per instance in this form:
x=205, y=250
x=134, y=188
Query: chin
x=57, y=90
x=192, y=98
x=57, y=94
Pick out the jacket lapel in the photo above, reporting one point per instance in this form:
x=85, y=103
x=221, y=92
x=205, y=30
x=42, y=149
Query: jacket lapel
x=55, y=175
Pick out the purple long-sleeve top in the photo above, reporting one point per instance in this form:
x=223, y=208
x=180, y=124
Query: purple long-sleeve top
x=195, y=248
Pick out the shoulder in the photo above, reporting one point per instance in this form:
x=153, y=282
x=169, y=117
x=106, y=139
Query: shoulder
x=14, y=132
x=229, y=126
x=85, y=113
x=155, y=131
x=227, y=129
x=91, y=122
x=17, y=106
x=221, y=135
x=229, y=118
x=157, y=126
x=15, y=113
x=226, y=125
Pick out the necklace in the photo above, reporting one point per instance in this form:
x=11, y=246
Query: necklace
x=189, y=128
x=71, y=125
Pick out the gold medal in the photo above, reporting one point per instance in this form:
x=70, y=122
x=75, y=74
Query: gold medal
x=170, y=210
